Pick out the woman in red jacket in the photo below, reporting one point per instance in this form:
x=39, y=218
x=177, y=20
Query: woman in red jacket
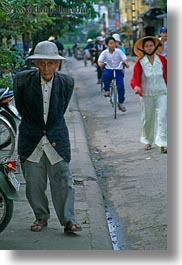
x=149, y=80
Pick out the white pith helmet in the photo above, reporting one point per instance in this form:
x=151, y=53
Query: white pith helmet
x=46, y=50
x=116, y=37
x=51, y=38
x=100, y=38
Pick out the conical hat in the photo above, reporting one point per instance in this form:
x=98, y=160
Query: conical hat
x=138, y=47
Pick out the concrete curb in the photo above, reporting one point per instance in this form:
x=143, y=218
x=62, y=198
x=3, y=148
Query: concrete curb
x=100, y=238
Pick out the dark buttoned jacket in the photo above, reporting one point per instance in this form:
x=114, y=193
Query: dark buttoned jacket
x=29, y=103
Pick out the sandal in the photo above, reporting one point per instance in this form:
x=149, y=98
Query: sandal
x=107, y=94
x=38, y=225
x=71, y=227
x=147, y=147
x=163, y=150
x=121, y=107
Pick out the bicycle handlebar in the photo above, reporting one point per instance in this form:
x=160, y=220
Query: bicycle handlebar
x=121, y=66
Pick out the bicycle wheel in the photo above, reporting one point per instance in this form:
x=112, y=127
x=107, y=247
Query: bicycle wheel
x=102, y=86
x=7, y=136
x=114, y=98
x=102, y=83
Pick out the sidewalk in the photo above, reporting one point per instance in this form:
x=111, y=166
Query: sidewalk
x=89, y=207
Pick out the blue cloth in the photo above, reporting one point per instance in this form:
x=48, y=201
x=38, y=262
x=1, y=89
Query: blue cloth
x=122, y=49
x=89, y=46
x=107, y=78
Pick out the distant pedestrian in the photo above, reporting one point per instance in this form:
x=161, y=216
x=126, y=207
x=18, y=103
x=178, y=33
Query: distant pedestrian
x=163, y=39
x=98, y=48
x=42, y=97
x=149, y=80
x=88, y=52
x=74, y=48
x=118, y=42
x=59, y=46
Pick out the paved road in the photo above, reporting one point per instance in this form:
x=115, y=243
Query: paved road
x=133, y=181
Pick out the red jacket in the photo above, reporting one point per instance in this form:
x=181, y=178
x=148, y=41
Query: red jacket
x=137, y=72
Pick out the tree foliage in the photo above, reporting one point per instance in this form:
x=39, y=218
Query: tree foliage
x=20, y=16
x=160, y=3
x=38, y=19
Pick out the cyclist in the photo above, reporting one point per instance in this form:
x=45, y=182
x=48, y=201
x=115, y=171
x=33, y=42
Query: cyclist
x=99, y=47
x=113, y=57
x=88, y=50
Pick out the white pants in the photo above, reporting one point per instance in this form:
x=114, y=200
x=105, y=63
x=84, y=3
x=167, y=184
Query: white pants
x=154, y=118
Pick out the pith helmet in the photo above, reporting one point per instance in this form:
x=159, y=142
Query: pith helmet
x=100, y=38
x=51, y=38
x=46, y=50
x=116, y=37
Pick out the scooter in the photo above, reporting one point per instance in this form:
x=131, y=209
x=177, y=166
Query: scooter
x=9, y=187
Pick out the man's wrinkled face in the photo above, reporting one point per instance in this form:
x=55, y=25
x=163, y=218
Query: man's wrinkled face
x=47, y=67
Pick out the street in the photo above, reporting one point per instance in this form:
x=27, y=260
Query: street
x=133, y=181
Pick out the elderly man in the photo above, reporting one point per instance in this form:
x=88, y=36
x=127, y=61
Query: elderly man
x=42, y=97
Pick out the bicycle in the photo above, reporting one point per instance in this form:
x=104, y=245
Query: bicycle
x=113, y=86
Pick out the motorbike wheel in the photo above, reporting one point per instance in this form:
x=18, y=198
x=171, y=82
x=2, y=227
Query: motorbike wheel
x=6, y=210
x=10, y=119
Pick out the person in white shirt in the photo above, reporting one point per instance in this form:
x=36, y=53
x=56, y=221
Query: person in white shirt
x=113, y=57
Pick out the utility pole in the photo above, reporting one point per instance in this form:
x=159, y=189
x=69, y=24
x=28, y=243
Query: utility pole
x=134, y=22
x=117, y=13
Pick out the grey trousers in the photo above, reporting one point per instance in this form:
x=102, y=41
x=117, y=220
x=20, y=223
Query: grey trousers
x=61, y=185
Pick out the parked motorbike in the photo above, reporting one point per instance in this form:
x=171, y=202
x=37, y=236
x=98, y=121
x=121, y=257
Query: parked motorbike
x=9, y=186
x=8, y=111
